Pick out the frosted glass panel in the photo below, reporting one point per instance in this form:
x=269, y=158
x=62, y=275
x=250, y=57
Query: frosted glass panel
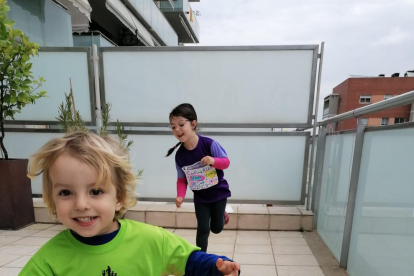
x=56, y=68
x=43, y=21
x=104, y=42
x=262, y=168
x=273, y=85
x=22, y=145
x=383, y=230
x=155, y=18
x=335, y=185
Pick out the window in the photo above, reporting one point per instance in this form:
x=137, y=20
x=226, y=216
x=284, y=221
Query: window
x=364, y=122
x=384, y=121
x=365, y=99
x=386, y=97
x=399, y=120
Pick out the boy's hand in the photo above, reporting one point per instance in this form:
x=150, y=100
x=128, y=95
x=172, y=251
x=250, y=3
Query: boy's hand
x=178, y=201
x=208, y=161
x=228, y=268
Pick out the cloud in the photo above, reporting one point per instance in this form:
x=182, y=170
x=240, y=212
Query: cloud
x=363, y=37
x=395, y=36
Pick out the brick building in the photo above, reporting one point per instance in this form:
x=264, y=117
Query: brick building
x=357, y=92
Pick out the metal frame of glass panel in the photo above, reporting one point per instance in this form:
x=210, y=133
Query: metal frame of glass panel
x=268, y=134
x=403, y=99
x=90, y=80
x=308, y=124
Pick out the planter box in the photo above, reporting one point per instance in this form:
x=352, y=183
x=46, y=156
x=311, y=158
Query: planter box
x=16, y=203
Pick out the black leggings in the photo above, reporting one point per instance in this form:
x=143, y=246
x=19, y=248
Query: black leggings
x=205, y=212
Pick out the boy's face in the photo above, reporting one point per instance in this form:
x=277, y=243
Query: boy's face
x=81, y=207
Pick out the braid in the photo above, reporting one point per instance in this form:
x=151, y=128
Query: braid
x=171, y=150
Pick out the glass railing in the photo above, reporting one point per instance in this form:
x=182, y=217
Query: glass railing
x=156, y=19
x=73, y=75
x=383, y=225
x=335, y=182
x=185, y=7
x=47, y=25
x=365, y=193
x=191, y=18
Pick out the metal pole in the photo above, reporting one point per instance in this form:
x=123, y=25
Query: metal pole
x=316, y=192
x=315, y=120
x=403, y=99
x=353, y=188
x=95, y=58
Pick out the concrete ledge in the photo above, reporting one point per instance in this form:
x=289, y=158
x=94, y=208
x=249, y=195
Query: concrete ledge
x=242, y=216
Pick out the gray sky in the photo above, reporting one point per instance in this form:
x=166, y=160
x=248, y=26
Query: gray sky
x=361, y=37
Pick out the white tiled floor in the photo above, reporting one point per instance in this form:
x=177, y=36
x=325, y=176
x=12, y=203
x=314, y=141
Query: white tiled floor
x=264, y=253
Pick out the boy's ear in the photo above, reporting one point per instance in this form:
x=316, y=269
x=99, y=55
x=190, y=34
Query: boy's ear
x=118, y=205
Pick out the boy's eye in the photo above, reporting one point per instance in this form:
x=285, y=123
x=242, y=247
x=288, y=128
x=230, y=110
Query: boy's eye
x=65, y=193
x=96, y=192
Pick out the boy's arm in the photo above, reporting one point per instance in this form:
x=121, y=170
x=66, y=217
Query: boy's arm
x=32, y=269
x=175, y=252
x=202, y=264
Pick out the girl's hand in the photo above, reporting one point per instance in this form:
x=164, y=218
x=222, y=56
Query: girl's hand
x=228, y=268
x=178, y=201
x=208, y=161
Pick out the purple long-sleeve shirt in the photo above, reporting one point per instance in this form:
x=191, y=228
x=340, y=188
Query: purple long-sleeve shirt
x=205, y=147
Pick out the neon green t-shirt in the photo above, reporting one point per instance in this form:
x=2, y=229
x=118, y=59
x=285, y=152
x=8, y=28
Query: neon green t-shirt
x=138, y=249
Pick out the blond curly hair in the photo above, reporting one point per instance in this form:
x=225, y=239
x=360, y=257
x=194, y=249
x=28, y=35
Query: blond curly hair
x=108, y=156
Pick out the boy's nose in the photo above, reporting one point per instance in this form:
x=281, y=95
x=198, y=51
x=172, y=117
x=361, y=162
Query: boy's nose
x=82, y=203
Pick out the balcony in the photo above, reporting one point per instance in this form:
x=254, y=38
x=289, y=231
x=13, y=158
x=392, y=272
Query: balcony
x=363, y=193
x=183, y=20
x=155, y=21
x=361, y=197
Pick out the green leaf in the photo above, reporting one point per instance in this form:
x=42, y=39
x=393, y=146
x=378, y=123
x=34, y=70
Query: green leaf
x=7, y=98
x=22, y=97
x=8, y=23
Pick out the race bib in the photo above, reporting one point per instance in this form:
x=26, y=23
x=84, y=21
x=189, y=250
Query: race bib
x=200, y=177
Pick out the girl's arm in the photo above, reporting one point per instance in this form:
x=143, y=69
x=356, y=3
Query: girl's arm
x=221, y=163
x=181, y=182
x=181, y=187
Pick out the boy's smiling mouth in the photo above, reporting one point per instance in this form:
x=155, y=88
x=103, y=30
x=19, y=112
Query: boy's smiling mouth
x=85, y=221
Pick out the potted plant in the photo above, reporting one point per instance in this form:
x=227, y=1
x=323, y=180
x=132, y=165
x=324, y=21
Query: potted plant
x=17, y=89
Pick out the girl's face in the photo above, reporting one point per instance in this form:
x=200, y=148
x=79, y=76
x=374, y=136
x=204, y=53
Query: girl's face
x=182, y=128
x=80, y=205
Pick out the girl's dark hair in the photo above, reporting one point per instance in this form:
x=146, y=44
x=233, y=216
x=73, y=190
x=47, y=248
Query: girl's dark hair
x=186, y=111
